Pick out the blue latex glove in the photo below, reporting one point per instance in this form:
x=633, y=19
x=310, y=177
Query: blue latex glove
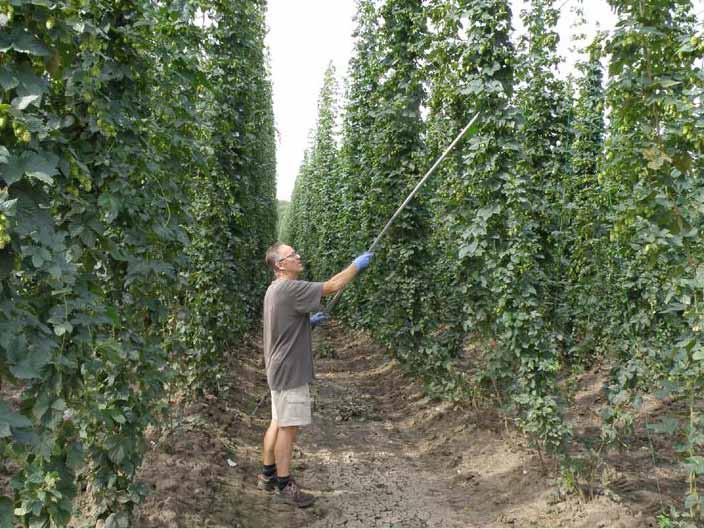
x=318, y=318
x=363, y=260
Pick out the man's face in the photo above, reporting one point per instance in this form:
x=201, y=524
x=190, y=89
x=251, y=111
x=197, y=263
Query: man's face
x=289, y=260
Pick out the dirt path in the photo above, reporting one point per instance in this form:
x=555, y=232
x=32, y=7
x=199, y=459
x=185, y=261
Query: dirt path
x=379, y=454
x=360, y=458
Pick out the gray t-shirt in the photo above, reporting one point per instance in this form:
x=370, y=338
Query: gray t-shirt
x=288, y=353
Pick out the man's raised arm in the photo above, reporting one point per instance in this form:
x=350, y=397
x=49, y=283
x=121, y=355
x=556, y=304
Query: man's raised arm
x=338, y=281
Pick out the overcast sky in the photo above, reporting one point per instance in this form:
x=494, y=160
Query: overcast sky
x=305, y=35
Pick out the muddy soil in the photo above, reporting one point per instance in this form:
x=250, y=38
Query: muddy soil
x=382, y=454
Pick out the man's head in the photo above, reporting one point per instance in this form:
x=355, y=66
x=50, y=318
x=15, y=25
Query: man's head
x=284, y=261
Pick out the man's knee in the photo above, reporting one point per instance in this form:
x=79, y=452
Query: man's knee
x=289, y=429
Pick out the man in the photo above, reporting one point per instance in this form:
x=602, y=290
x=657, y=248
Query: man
x=288, y=358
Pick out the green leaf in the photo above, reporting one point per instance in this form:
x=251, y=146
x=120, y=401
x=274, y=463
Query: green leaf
x=62, y=328
x=25, y=42
x=5, y=42
x=29, y=82
x=12, y=170
x=486, y=212
x=668, y=388
x=26, y=437
x=75, y=456
x=468, y=249
x=656, y=157
x=42, y=166
x=667, y=425
x=8, y=80
x=112, y=313
x=690, y=501
x=31, y=363
x=30, y=215
x=698, y=353
x=10, y=419
x=22, y=102
x=111, y=203
x=8, y=206
x=41, y=406
x=7, y=263
x=695, y=464
x=6, y=512
x=4, y=154
x=23, y=510
x=59, y=405
x=45, y=446
x=674, y=307
x=120, y=519
x=37, y=261
x=117, y=453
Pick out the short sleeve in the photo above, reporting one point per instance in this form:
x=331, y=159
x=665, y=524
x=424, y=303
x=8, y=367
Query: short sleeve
x=306, y=296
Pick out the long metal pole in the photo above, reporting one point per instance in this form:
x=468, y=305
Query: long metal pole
x=337, y=296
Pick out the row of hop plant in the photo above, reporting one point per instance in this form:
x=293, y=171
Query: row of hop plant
x=551, y=237
x=136, y=200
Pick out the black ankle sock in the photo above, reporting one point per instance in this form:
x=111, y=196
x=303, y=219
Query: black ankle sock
x=282, y=481
x=269, y=470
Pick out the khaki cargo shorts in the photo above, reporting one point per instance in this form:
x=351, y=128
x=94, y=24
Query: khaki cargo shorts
x=291, y=407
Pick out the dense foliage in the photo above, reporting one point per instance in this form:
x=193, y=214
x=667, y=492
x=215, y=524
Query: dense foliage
x=136, y=200
x=551, y=236
x=137, y=161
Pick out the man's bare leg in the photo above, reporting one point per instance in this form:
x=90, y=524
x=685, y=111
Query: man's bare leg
x=267, y=479
x=289, y=492
x=270, y=442
x=283, y=449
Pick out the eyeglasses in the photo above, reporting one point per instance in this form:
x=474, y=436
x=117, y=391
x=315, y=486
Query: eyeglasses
x=293, y=254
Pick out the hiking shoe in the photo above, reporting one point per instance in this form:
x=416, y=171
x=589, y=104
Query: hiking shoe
x=266, y=482
x=293, y=495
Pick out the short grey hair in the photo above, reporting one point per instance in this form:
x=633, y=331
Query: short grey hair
x=273, y=256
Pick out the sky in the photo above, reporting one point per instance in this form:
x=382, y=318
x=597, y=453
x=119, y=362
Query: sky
x=306, y=35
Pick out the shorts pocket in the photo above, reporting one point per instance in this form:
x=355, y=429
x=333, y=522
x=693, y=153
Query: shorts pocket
x=297, y=404
x=297, y=409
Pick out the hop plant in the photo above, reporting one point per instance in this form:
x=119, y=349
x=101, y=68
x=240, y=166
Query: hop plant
x=4, y=235
x=83, y=178
x=6, y=13
x=21, y=133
